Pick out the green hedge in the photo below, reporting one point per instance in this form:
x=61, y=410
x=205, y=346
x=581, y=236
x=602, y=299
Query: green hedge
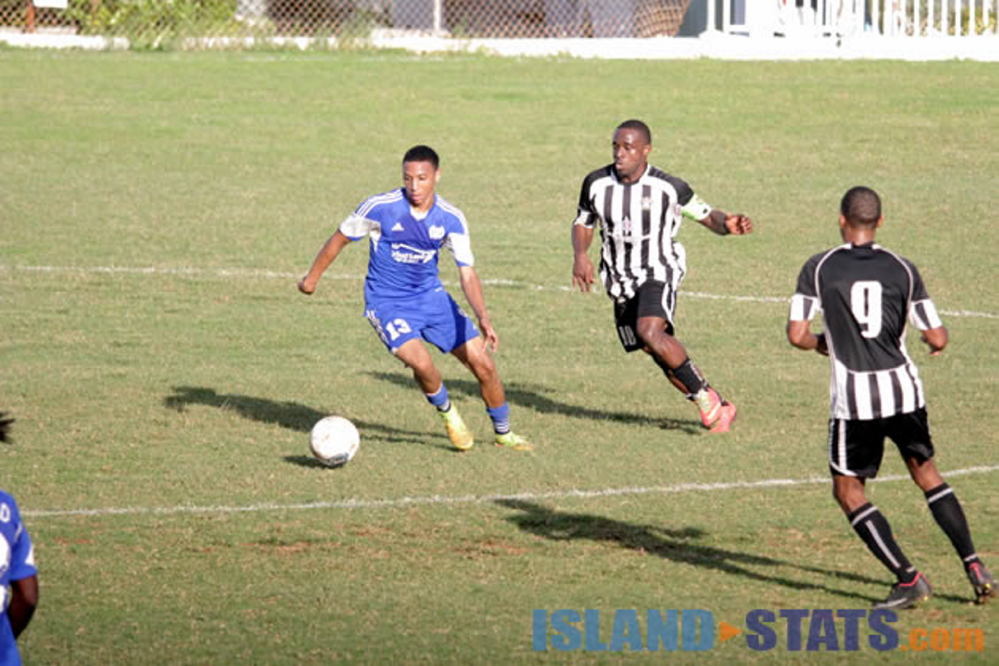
x=155, y=23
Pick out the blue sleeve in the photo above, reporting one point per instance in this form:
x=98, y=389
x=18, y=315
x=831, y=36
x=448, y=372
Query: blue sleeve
x=22, y=560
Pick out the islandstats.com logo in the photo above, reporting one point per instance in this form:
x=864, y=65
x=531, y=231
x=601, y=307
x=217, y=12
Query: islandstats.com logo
x=761, y=630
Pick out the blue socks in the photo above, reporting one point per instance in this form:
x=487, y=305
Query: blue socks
x=440, y=400
x=500, y=415
x=501, y=418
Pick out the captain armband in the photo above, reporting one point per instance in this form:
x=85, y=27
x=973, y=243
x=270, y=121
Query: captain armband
x=696, y=209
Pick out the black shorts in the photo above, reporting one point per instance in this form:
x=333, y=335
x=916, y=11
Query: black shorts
x=653, y=299
x=856, y=447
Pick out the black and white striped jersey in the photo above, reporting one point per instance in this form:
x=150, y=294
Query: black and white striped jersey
x=866, y=294
x=638, y=224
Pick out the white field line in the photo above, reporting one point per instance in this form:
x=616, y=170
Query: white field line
x=445, y=500
x=224, y=273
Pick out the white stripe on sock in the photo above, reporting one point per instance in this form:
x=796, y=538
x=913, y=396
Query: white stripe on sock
x=859, y=518
x=881, y=544
x=942, y=493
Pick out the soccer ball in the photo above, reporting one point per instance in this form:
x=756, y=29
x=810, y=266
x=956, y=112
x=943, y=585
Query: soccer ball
x=334, y=441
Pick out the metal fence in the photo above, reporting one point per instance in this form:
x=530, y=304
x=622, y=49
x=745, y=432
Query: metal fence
x=151, y=22
x=888, y=18
x=311, y=18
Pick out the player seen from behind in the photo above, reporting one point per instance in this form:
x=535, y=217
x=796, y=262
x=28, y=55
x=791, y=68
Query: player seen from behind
x=865, y=294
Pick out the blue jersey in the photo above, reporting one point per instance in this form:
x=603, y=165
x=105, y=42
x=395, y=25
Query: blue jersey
x=17, y=561
x=402, y=262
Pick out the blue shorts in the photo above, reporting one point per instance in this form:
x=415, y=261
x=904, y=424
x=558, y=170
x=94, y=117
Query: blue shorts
x=432, y=316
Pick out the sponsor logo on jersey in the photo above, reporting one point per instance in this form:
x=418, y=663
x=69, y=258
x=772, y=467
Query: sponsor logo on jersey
x=407, y=254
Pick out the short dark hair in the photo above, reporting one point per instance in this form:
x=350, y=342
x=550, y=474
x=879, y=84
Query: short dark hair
x=637, y=125
x=5, y=427
x=422, y=153
x=861, y=206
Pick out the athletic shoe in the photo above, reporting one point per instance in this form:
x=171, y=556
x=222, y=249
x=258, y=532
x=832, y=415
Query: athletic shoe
x=725, y=418
x=710, y=404
x=717, y=414
x=907, y=595
x=514, y=442
x=983, y=582
x=459, y=434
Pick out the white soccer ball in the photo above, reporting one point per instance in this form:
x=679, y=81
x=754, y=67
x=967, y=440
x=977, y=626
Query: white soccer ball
x=334, y=441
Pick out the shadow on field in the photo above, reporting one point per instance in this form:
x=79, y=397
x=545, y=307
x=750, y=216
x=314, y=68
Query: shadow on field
x=529, y=397
x=677, y=545
x=290, y=415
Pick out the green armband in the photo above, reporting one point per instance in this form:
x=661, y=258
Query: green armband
x=696, y=209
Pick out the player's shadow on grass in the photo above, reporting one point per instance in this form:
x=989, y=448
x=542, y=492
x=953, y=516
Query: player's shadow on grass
x=529, y=397
x=290, y=415
x=677, y=545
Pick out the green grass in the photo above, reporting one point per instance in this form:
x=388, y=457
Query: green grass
x=186, y=392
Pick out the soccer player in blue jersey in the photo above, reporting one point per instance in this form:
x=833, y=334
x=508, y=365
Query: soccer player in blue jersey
x=18, y=574
x=405, y=301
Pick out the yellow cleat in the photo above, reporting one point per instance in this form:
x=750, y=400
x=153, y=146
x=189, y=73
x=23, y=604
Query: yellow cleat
x=514, y=442
x=459, y=434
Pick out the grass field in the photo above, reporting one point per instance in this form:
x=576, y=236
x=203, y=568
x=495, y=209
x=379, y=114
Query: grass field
x=157, y=210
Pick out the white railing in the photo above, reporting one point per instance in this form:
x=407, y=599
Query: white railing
x=888, y=18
